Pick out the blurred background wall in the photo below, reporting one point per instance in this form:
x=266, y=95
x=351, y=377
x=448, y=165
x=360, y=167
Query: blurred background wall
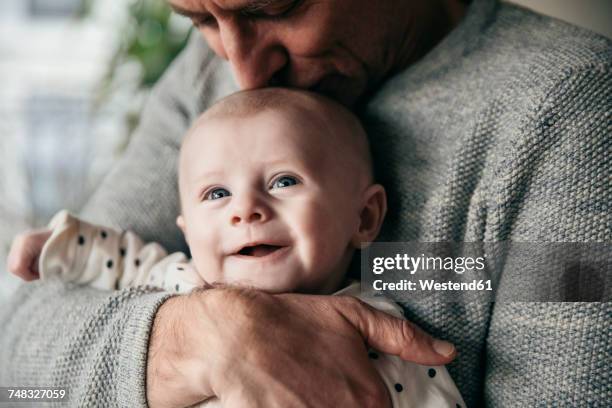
x=74, y=75
x=595, y=15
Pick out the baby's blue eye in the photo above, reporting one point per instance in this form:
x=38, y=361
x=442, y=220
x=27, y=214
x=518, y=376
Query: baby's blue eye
x=285, y=181
x=217, y=193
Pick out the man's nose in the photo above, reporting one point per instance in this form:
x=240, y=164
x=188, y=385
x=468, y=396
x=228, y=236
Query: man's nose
x=247, y=210
x=255, y=56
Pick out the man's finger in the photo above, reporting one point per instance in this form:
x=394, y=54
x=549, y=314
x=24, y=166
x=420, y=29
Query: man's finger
x=395, y=336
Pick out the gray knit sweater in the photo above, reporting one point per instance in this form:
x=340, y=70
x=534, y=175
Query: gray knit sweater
x=502, y=132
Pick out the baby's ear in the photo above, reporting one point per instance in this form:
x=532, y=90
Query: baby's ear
x=371, y=215
x=180, y=222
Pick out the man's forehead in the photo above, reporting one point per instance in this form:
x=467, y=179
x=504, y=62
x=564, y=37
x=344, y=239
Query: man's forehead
x=188, y=7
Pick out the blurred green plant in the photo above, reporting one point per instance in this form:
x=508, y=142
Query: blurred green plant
x=84, y=8
x=149, y=38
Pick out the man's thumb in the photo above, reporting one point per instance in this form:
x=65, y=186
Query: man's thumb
x=399, y=337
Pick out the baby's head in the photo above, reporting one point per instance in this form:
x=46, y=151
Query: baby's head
x=277, y=191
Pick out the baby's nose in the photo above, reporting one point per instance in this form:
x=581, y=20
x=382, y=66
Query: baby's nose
x=254, y=216
x=249, y=209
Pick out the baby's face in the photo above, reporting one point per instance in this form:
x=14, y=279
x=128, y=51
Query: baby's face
x=269, y=201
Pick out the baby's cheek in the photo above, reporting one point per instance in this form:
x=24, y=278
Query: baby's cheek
x=325, y=242
x=207, y=263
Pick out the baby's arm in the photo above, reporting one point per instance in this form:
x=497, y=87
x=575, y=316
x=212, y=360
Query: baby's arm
x=101, y=257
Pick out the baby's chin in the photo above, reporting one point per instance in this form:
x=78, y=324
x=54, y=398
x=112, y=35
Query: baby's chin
x=272, y=287
x=270, y=279
x=277, y=286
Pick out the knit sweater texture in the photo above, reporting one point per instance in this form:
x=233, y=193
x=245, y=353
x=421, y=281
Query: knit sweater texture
x=501, y=132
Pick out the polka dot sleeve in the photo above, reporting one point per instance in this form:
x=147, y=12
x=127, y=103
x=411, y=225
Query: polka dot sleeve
x=101, y=257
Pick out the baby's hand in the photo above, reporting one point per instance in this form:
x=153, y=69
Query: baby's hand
x=25, y=251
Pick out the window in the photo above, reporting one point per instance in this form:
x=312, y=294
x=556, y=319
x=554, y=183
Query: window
x=53, y=8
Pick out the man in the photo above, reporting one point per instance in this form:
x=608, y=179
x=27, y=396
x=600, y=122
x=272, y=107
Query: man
x=488, y=123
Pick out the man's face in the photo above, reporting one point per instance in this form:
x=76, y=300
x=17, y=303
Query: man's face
x=267, y=203
x=340, y=48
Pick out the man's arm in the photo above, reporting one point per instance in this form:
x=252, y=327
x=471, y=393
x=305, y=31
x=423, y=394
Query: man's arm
x=558, y=353
x=93, y=343
x=246, y=347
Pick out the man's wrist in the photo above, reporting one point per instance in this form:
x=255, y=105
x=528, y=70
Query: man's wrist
x=177, y=369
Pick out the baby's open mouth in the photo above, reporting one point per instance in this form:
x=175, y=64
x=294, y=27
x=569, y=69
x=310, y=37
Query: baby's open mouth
x=259, y=250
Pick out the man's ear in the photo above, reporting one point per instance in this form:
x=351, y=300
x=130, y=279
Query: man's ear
x=371, y=215
x=180, y=222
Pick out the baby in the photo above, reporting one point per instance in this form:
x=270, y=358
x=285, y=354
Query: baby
x=276, y=193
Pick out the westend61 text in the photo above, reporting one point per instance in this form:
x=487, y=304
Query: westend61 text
x=430, y=284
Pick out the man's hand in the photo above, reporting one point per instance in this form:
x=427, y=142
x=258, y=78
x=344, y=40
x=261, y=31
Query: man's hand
x=25, y=251
x=253, y=349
